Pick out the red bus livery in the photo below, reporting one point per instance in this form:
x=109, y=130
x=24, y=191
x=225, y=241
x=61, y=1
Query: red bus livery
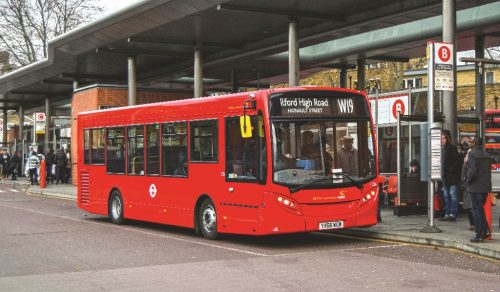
x=267, y=162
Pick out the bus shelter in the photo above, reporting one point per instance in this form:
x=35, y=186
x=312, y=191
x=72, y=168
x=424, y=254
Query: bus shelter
x=402, y=146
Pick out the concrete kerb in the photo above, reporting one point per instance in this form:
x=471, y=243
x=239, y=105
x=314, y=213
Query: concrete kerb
x=482, y=251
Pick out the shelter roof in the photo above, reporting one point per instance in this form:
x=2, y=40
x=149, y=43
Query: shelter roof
x=247, y=39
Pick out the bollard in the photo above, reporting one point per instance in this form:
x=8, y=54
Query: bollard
x=488, y=214
x=42, y=174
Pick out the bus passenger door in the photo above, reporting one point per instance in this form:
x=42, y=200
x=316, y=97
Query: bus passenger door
x=245, y=167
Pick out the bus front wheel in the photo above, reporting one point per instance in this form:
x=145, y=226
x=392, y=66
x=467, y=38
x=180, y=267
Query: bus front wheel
x=208, y=219
x=116, y=207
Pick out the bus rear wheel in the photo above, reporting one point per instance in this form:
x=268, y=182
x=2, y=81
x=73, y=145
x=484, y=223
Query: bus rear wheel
x=208, y=220
x=116, y=207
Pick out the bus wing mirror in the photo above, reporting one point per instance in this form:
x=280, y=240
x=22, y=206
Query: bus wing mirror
x=245, y=127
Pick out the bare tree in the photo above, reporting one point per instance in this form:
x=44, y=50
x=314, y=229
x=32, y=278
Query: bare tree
x=26, y=26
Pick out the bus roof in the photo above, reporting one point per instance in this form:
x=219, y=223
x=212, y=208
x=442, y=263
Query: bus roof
x=194, y=101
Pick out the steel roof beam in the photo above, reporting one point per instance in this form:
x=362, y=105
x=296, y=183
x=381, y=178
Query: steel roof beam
x=389, y=59
x=93, y=76
x=181, y=42
x=137, y=52
x=289, y=13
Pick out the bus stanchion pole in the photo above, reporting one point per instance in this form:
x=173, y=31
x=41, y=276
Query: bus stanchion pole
x=398, y=158
x=42, y=174
x=432, y=131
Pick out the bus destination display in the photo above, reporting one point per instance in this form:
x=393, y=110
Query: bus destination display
x=321, y=106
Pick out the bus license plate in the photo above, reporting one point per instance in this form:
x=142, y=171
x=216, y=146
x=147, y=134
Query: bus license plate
x=331, y=225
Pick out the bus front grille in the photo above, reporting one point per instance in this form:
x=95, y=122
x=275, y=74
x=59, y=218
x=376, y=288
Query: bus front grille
x=84, y=187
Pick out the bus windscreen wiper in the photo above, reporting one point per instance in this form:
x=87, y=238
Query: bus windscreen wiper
x=312, y=181
x=327, y=177
x=349, y=177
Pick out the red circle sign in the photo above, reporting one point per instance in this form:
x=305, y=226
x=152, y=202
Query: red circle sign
x=41, y=117
x=398, y=105
x=444, y=54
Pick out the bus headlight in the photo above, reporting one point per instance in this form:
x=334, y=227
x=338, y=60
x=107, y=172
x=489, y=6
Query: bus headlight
x=369, y=196
x=289, y=204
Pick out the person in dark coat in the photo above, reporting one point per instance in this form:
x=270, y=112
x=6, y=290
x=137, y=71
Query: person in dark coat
x=478, y=183
x=49, y=160
x=14, y=163
x=451, y=165
x=61, y=160
x=5, y=162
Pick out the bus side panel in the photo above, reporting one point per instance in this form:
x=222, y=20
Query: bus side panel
x=90, y=190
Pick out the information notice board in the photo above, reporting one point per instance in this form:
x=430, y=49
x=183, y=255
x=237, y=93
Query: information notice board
x=435, y=153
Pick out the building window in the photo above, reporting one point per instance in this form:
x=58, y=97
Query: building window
x=412, y=83
x=489, y=78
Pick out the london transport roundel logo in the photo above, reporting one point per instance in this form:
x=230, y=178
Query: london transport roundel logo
x=152, y=190
x=444, y=54
x=398, y=105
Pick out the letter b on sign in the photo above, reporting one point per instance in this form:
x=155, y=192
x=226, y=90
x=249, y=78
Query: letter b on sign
x=398, y=105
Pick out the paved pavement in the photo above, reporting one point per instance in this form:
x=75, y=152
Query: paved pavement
x=395, y=228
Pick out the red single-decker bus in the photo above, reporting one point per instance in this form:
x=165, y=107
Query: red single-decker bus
x=287, y=160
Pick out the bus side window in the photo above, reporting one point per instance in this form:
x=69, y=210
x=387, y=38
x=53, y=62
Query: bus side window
x=152, y=149
x=174, y=149
x=136, y=150
x=86, y=146
x=97, y=146
x=115, y=151
x=204, y=141
x=243, y=154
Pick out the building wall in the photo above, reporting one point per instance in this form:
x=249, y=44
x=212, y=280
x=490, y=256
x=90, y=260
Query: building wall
x=98, y=96
x=391, y=76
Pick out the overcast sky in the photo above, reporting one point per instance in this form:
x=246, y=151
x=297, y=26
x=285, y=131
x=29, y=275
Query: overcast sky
x=111, y=6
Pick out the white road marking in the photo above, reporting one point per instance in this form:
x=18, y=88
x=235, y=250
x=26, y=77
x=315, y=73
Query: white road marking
x=205, y=243
x=14, y=190
x=140, y=231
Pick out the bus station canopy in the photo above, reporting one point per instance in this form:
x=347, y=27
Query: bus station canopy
x=243, y=40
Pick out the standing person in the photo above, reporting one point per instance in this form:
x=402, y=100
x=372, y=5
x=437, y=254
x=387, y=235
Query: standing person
x=478, y=183
x=5, y=163
x=60, y=161
x=49, y=159
x=347, y=157
x=33, y=161
x=450, y=176
x=14, y=164
x=68, y=165
x=467, y=200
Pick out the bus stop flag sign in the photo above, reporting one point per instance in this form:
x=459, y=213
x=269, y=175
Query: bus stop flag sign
x=443, y=66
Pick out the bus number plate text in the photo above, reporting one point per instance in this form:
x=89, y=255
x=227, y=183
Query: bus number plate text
x=331, y=225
